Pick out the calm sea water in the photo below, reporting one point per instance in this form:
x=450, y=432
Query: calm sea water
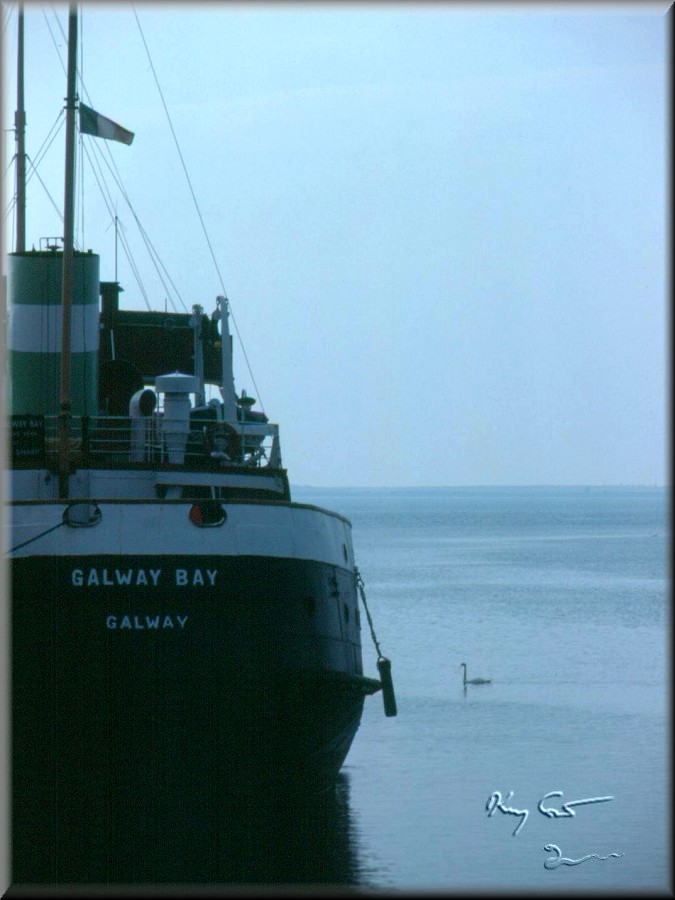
x=561, y=597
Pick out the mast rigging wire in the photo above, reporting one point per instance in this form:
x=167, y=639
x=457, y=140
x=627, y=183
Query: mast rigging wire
x=42, y=152
x=101, y=182
x=194, y=198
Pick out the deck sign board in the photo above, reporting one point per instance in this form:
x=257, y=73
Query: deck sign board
x=28, y=439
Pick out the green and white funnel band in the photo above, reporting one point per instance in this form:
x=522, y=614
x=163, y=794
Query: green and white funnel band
x=34, y=333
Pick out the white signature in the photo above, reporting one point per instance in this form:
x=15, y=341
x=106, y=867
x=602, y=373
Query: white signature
x=555, y=813
x=495, y=802
x=560, y=860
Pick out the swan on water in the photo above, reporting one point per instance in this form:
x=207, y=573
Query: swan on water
x=474, y=680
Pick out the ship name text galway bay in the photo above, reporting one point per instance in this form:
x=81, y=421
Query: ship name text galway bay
x=140, y=577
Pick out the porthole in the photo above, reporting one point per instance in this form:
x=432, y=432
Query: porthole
x=207, y=514
x=82, y=515
x=345, y=610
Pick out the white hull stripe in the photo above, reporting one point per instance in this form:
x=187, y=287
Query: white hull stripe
x=37, y=328
x=291, y=532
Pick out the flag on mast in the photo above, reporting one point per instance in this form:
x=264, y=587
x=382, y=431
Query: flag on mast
x=94, y=123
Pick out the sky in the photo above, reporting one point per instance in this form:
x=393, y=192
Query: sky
x=442, y=228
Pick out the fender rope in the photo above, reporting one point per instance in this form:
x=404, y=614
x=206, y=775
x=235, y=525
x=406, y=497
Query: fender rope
x=360, y=585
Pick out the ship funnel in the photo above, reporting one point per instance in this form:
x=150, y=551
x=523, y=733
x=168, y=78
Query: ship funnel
x=34, y=333
x=176, y=421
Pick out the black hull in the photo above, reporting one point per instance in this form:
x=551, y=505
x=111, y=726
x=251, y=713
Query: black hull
x=149, y=707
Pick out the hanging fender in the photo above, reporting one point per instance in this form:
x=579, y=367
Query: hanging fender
x=388, y=696
x=383, y=664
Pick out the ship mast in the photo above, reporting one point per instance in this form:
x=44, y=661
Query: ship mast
x=20, y=132
x=68, y=240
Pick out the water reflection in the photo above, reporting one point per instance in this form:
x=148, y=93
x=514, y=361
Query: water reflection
x=307, y=841
x=310, y=841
